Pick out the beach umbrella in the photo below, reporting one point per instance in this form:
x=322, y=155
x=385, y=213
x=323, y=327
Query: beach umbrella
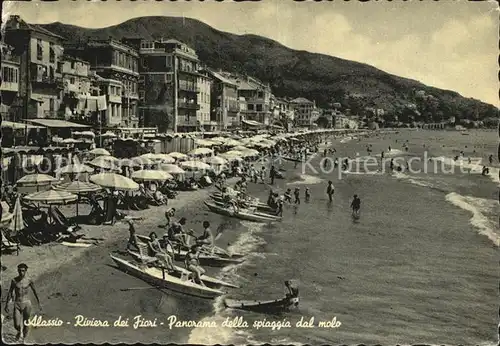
x=172, y=169
x=78, y=187
x=205, y=143
x=240, y=148
x=220, y=140
x=69, y=141
x=195, y=165
x=251, y=152
x=233, y=153
x=216, y=160
x=148, y=156
x=100, y=151
x=36, y=180
x=51, y=197
x=87, y=134
x=231, y=158
x=17, y=222
x=165, y=158
x=6, y=216
x=201, y=151
x=151, y=175
x=75, y=168
x=114, y=181
x=108, y=134
x=232, y=142
x=105, y=162
x=177, y=155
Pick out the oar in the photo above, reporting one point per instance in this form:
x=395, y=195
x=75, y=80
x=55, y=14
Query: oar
x=138, y=288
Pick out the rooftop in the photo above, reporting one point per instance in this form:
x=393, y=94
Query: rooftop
x=16, y=23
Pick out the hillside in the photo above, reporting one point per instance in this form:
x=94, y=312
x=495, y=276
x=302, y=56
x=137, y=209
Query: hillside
x=295, y=73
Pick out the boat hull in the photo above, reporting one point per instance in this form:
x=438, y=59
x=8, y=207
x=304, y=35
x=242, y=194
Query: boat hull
x=256, y=217
x=259, y=206
x=154, y=276
x=269, y=306
x=204, y=259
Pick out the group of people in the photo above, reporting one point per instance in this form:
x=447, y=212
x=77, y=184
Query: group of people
x=177, y=238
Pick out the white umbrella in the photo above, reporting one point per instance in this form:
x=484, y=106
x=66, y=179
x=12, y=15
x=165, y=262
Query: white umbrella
x=233, y=153
x=220, y=140
x=216, y=161
x=205, y=143
x=114, y=181
x=172, y=169
x=100, y=151
x=201, y=151
x=36, y=180
x=6, y=216
x=195, y=165
x=240, y=148
x=69, y=141
x=16, y=223
x=87, y=134
x=108, y=134
x=165, y=158
x=51, y=197
x=105, y=162
x=151, y=175
x=177, y=155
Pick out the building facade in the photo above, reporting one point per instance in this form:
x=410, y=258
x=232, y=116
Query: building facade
x=204, y=100
x=225, y=108
x=304, y=111
x=169, y=84
x=40, y=80
x=116, y=61
x=10, y=106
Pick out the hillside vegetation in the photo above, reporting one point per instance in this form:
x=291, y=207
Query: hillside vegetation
x=293, y=73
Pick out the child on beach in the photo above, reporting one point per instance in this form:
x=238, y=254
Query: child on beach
x=307, y=195
x=297, y=195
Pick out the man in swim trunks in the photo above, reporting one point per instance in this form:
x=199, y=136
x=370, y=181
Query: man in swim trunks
x=206, y=240
x=18, y=292
x=176, y=232
x=132, y=240
x=192, y=263
x=355, y=205
x=330, y=190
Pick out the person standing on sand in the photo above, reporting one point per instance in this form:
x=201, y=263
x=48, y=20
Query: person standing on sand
x=307, y=195
x=169, y=214
x=355, y=205
x=330, y=190
x=263, y=174
x=297, y=195
x=18, y=292
x=132, y=240
x=272, y=174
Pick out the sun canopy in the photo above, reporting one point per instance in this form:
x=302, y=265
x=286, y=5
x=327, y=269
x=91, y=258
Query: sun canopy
x=55, y=123
x=114, y=181
x=151, y=175
x=51, y=197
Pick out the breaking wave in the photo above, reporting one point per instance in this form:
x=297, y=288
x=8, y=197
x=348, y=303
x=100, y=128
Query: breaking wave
x=306, y=179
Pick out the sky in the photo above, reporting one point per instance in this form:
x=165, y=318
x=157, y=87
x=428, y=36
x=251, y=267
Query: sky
x=449, y=44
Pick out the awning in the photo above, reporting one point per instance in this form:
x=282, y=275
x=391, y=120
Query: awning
x=55, y=123
x=252, y=123
x=33, y=150
x=19, y=126
x=36, y=99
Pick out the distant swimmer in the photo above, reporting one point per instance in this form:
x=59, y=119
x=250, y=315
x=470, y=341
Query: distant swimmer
x=307, y=195
x=297, y=195
x=355, y=205
x=490, y=158
x=391, y=164
x=330, y=190
x=19, y=293
x=390, y=148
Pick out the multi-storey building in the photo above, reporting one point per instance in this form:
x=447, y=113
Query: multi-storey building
x=76, y=85
x=39, y=52
x=169, y=84
x=112, y=116
x=304, y=111
x=284, y=112
x=257, y=96
x=204, y=83
x=115, y=61
x=225, y=109
x=10, y=105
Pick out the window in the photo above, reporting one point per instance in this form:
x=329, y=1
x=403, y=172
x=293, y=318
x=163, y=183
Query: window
x=142, y=95
x=144, y=62
x=250, y=107
x=72, y=65
x=168, y=77
x=51, y=105
x=72, y=80
x=259, y=108
x=52, y=53
x=169, y=61
x=112, y=90
x=9, y=75
x=142, y=79
x=39, y=49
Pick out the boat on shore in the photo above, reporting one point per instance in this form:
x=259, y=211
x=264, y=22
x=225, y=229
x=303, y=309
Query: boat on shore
x=266, y=306
x=177, y=281
x=242, y=214
x=220, y=259
x=257, y=205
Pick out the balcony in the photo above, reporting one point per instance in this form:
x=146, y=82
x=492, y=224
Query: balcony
x=188, y=105
x=9, y=86
x=47, y=80
x=185, y=121
x=10, y=57
x=189, y=88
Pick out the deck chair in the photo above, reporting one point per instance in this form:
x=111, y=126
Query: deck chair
x=60, y=219
x=9, y=244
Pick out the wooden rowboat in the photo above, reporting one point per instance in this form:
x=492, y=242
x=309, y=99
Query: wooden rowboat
x=215, y=260
x=177, y=281
x=259, y=206
x=269, y=306
x=242, y=214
